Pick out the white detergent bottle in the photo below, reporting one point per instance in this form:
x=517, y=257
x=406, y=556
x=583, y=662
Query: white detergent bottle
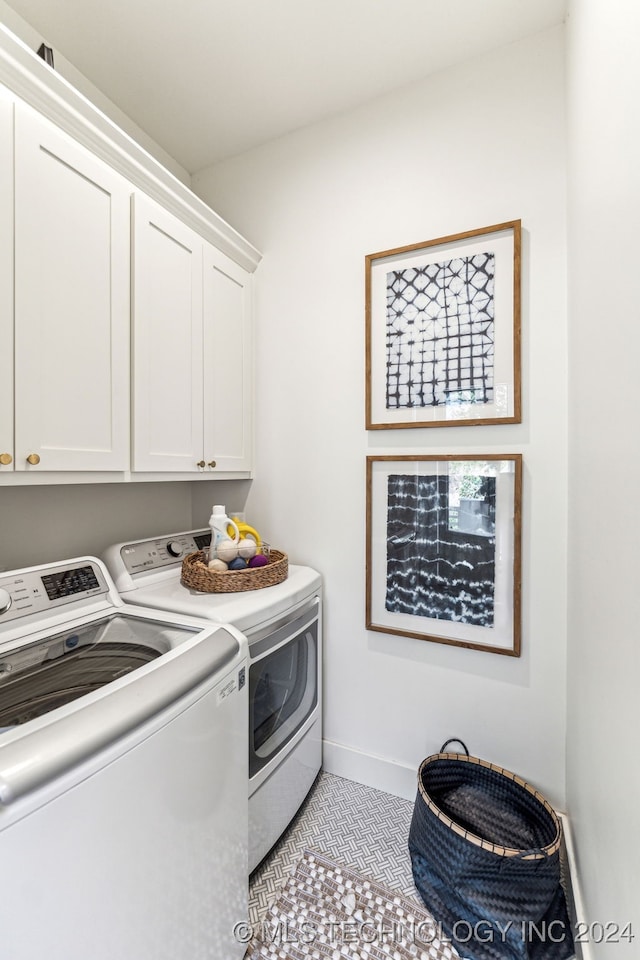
x=221, y=528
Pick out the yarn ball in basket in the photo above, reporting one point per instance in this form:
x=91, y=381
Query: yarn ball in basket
x=259, y=560
x=226, y=550
x=247, y=548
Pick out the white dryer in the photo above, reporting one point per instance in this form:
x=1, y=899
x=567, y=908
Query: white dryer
x=123, y=810
x=283, y=624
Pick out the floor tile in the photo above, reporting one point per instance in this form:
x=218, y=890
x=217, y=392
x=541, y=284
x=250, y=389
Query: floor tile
x=357, y=826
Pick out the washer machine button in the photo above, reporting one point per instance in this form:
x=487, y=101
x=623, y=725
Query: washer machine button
x=5, y=600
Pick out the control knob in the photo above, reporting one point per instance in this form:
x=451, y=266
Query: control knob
x=5, y=600
x=174, y=549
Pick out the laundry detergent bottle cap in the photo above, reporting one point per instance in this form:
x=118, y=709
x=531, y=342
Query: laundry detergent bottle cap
x=221, y=528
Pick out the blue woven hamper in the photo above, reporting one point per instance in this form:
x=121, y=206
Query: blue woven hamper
x=485, y=852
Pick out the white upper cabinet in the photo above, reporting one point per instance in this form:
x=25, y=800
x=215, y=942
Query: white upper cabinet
x=71, y=304
x=228, y=371
x=125, y=345
x=6, y=284
x=167, y=341
x=191, y=351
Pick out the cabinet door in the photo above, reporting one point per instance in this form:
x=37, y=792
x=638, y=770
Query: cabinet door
x=167, y=341
x=71, y=303
x=228, y=373
x=6, y=283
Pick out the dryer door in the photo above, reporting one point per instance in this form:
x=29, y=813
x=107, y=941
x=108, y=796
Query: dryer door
x=283, y=686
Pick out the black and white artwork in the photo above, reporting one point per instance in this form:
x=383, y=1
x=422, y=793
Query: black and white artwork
x=440, y=333
x=441, y=547
x=444, y=548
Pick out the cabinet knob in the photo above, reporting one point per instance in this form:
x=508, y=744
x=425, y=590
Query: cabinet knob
x=200, y=463
x=33, y=459
x=211, y=463
x=6, y=459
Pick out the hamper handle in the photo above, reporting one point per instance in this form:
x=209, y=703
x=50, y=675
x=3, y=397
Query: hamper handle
x=536, y=853
x=454, y=740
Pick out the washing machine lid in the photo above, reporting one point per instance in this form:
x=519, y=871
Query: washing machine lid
x=147, y=572
x=79, y=670
x=41, y=676
x=52, y=728
x=248, y=611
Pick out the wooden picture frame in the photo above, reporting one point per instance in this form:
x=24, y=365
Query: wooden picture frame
x=443, y=536
x=443, y=331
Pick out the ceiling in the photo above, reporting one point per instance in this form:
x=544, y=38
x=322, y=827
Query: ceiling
x=208, y=79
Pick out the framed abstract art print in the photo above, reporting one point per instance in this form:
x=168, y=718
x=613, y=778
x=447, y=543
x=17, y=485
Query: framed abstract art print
x=443, y=549
x=443, y=331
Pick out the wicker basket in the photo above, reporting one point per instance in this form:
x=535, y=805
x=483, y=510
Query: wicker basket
x=197, y=575
x=485, y=853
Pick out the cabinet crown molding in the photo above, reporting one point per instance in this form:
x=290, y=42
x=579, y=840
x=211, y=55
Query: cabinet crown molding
x=32, y=80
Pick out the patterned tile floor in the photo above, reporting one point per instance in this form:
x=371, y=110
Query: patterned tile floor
x=357, y=826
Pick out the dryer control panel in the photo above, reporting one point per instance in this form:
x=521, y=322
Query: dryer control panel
x=23, y=593
x=147, y=555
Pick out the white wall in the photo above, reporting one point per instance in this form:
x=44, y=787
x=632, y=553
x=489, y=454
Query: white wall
x=46, y=523
x=41, y=524
x=604, y=509
x=29, y=36
x=476, y=145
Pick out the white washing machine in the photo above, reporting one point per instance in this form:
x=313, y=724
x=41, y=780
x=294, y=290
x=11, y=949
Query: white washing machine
x=283, y=625
x=123, y=808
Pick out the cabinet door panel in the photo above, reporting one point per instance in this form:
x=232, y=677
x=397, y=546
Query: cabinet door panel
x=6, y=282
x=167, y=341
x=227, y=363
x=72, y=304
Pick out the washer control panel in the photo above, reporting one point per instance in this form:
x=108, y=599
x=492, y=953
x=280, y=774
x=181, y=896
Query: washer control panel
x=147, y=555
x=36, y=590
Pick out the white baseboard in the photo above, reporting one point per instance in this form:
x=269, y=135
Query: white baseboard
x=584, y=950
x=378, y=772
